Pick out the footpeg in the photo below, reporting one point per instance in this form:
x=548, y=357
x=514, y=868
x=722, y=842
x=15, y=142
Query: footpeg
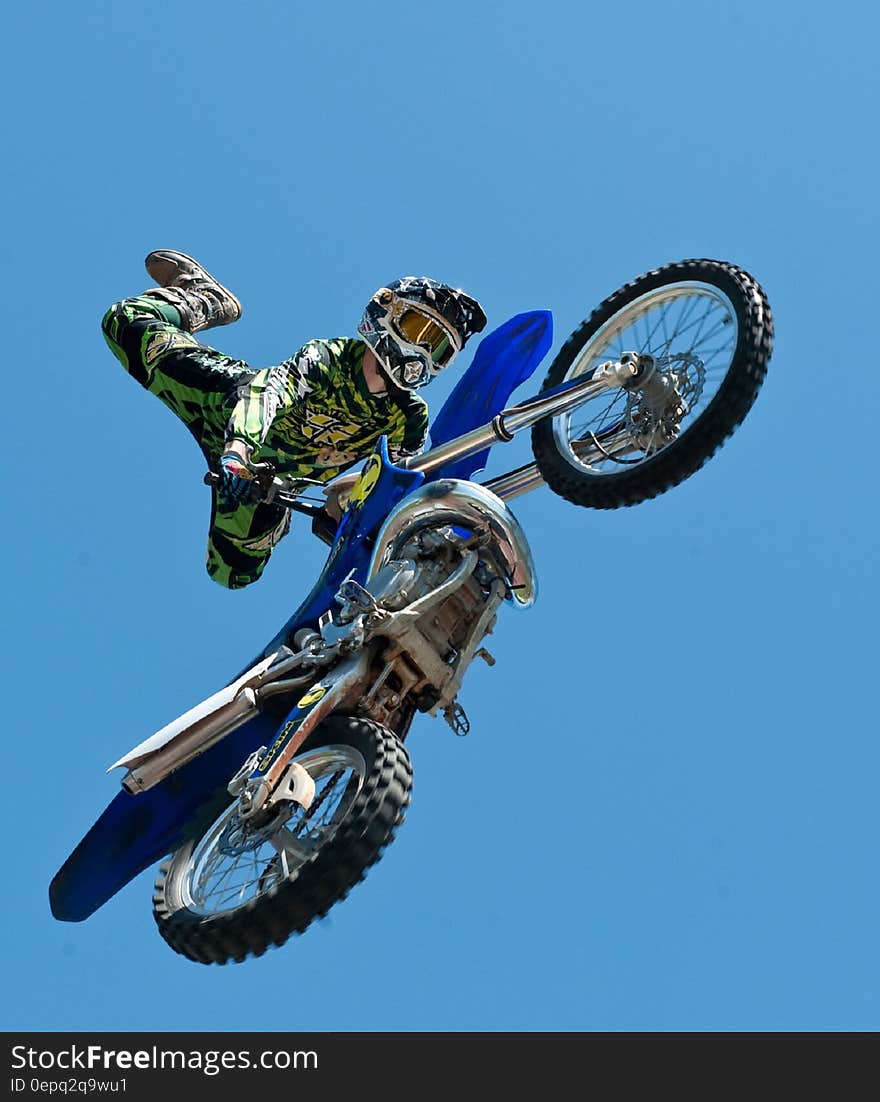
x=457, y=719
x=236, y=785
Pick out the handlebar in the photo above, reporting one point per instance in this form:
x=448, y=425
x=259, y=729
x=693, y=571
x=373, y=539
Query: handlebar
x=273, y=489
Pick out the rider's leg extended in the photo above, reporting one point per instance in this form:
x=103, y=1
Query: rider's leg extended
x=152, y=336
x=241, y=540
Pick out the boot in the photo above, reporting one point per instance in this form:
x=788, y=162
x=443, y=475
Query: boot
x=200, y=300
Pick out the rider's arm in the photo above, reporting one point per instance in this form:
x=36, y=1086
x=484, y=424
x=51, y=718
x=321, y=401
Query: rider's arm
x=269, y=393
x=409, y=429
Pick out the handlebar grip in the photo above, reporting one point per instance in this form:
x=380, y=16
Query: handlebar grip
x=261, y=488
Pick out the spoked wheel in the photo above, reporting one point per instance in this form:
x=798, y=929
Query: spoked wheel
x=703, y=334
x=240, y=887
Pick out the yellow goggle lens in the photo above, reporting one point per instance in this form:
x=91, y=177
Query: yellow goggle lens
x=419, y=329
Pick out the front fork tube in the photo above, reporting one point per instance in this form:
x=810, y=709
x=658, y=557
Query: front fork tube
x=630, y=371
x=561, y=399
x=528, y=477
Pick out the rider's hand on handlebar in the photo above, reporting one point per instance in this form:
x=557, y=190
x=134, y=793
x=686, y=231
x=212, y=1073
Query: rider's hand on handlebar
x=236, y=479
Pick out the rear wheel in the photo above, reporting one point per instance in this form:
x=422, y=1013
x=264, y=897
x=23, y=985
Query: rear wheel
x=237, y=889
x=706, y=330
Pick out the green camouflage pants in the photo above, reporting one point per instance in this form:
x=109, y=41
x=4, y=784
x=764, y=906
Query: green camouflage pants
x=199, y=385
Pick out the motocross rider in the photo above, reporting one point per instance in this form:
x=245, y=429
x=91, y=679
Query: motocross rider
x=312, y=416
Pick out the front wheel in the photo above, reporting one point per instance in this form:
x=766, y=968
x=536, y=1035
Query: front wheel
x=706, y=330
x=237, y=888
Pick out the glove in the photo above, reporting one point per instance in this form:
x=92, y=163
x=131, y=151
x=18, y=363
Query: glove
x=236, y=480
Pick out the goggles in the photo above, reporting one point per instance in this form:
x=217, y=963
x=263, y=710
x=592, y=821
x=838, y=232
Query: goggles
x=418, y=328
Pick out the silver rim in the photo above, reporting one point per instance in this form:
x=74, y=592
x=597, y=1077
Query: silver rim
x=691, y=331
x=232, y=864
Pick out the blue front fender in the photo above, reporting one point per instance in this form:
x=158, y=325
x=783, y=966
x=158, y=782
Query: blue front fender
x=505, y=358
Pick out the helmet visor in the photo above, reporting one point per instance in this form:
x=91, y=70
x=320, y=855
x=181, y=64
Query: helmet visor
x=420, y=329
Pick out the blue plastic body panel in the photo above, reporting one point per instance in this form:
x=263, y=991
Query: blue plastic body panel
x=135, y=832
x=350, y=551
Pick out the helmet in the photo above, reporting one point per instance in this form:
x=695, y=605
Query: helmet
x=415, y=326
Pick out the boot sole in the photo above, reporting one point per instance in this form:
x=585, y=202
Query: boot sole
x=162, y=268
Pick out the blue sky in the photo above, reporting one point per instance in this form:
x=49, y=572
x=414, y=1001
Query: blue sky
x=665, y=816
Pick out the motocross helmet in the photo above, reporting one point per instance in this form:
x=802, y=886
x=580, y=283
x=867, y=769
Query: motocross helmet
x=415, y=326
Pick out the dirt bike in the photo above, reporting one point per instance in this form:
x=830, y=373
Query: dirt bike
x=270, y=800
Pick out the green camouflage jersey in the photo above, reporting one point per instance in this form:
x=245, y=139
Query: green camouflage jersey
x=312, y=416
